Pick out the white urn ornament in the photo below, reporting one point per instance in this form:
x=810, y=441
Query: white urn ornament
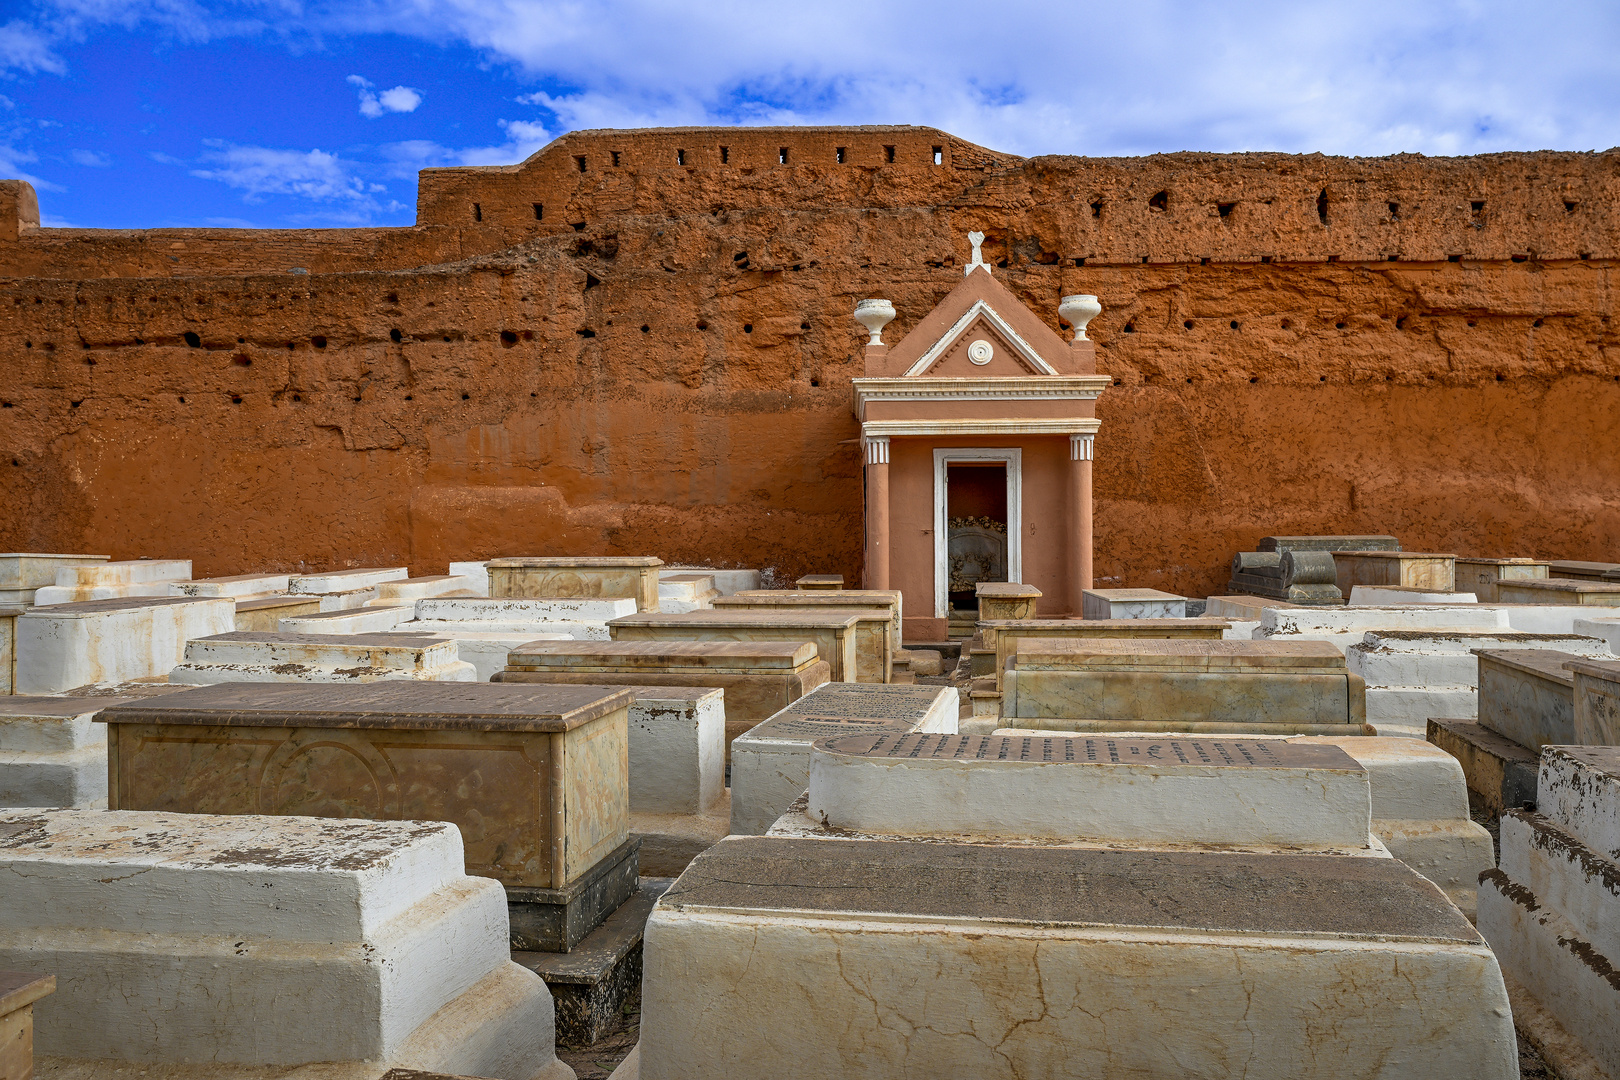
x=874, y=315
x=1077, y=311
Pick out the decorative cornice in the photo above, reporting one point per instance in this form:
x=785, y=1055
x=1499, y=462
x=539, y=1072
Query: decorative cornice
x=1058, y=425
x=877, y=449
x=1016, y=388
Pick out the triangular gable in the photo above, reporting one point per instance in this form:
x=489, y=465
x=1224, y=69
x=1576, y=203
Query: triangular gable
x=981, y=300
x=970, y=329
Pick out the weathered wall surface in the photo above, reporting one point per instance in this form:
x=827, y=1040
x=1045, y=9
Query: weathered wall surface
x=655, y=357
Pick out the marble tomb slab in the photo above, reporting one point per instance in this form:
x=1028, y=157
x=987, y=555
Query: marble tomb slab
x=236, y=586
x=1482, y=576
x=833, y=631
x=1001, y=636
x=1347, y=626
x=728, y=581
x=1560, y=591
x=686, y=592
x=1006, y=600
x=76, y=583
x=1388, y=595
x=1526, y=695
x=362, y=620
x=411, y=589
x=1605, y=627
x=50, y=752
x=877, y=634
x=567, y=577
x=1061, y=788
x=677, y=749
x=1410, y=569
x=1579, y=570
x=770, y=764
x=989, y=962
x=358, y=658
x=820, y=598
x=1132, y=604
x=242, y=947
x=22, y=573
x=1597, y=701
x=535, y=776
x=1375, y=542
x=476, y=572
x=759, y=678
x=811, y=582
x=265, y=613
x=111, y=641
x=1233, y=687
x=342, y=581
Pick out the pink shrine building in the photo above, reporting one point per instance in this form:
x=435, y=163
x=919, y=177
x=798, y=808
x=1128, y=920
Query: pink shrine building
x=977, y=431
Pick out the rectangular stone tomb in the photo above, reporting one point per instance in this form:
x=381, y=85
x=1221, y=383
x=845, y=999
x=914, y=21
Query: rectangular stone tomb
x=677, y=749
x=1560, y=591
x=109, y=641
x=729, y=582
x=1526, y=695
x=1413, y=676
x=833, y=631
x=1241, y=608
x=877, y=633
x=1412, y=569
x=949, y=960
x=770, y=764
x=22, y=573
x=759, y=678
x=343, y=581
x=820, y=581
x=567, y=577
x=1604, y=627
x=582, y=620
x=686, y=592
x=1001, y=636
x=1006, y=600
x=535, y=776
x=238, y=585
x=240, y=948
x=1132, y=604
x=1551, y=911
x=1293, y=575
x=476, y=572
x=50, y=752
x=819, y=598
x=1395, y=595
x=411, y=589
x=1482, y=576
x=358, y=658
x=1579, y=570
x=1231, y=687
x=363, y=620
x=1597, y=701
x=113, y=580
x=1345, y=627
x=267, y=612
x=1076, y=788
x=1377, y=542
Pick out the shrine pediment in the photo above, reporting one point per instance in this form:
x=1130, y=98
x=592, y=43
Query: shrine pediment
x=980, y=344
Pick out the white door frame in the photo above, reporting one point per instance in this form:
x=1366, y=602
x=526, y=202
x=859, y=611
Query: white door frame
x=1013, y=459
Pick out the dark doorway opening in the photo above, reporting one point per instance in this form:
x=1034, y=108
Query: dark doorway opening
x=976, y=520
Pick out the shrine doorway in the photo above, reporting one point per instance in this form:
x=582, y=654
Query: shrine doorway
x=977, y=513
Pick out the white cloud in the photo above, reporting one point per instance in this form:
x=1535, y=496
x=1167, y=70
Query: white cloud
x=25, y=48
x=261, y=171
x=94, y=159
x=401, y=99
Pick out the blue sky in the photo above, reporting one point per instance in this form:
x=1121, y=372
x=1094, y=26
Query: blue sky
x=288, y=113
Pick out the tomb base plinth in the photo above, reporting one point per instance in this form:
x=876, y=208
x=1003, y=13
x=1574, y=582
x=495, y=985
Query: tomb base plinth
x=1500, y=771
x=591, y=983
x=556, y=920
x=1191, y=727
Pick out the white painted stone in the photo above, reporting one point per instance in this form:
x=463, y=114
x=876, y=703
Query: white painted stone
x=1414, y=675
x=346, y=599
x=1241, y=630
x=78, y=594
x=346, y=580
x=1346, y=626
x=770, y=763
x=239, y=586
x=788, y=981
x=23, y=572
x=528, y=631
x=110, y=641
x=1566, y=875
x=239, y=942
x=680, y=593
x=362, y=620
x=523, y=612
x=1191, y=789
x=344, y=658
x=1383, y=595
x=51, y=754
x=478, y=572
x=1607, y=629
x=412, y=589
x=677, y=749
x=124, y=572
x=1578, y=789
x=728, y=582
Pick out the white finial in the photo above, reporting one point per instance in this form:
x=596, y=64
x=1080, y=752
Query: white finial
x=976, y=238
x=874, y=315
x=1077, y=311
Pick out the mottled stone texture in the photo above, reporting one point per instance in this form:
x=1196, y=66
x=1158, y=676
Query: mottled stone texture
x=654, y=359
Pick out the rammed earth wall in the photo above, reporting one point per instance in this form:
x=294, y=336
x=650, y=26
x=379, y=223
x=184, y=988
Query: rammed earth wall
x=653, y=356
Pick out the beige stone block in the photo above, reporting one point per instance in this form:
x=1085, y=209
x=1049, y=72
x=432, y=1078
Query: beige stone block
x=1597, y=702
x=1527, y=695
x=237, y=586
x=535, y=777
x=1243, y=608
x=833, y=631
x=342, y=581
x=1001, y=636
x=264, y=614
x=240, y=657
x=1560, y=591
x=1006, y=600
x=1482, y=576
x=877, y=634
x=413, y=589
x=21, y=573
x=1410, y=569
x=820, y=581
x=606, y=578
x=850, y=598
